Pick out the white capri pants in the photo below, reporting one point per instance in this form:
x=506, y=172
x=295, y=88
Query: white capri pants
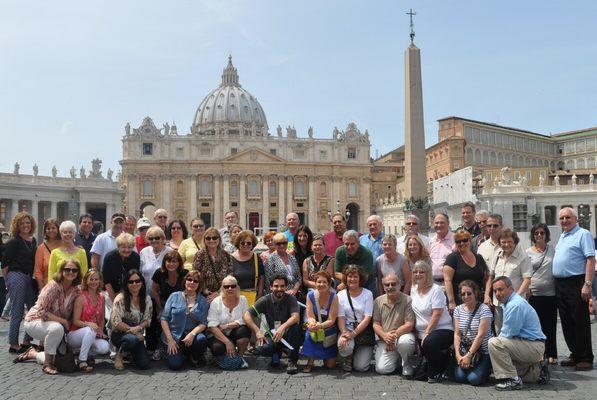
x=386, y=361
x=361, y=356
x=86, y=340
x=50, y=332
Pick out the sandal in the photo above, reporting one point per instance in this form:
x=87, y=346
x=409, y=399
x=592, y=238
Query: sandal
x=309, y=367
x=84, y=367
x=24, y=356
x=49, y=369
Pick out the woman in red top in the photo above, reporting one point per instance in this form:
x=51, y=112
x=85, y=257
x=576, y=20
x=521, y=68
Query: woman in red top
x=87, y=328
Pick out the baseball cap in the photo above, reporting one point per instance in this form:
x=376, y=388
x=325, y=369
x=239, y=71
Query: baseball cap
x=116, y=216
x=143, y=223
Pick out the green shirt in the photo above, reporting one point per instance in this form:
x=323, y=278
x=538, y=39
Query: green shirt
x=362, y=258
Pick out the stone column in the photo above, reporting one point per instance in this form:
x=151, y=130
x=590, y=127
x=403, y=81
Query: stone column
x=217, y=219
x=83, y=208
x=312, y=217
x=366, y=196
x=265, y=202
x=132, y=196
x=225, y=197
x=242, y=195
x=542, y=212
x=109, y=212
x=281, y=196
x=289, y=199
x=14, y=209
x=166, y=194
x=54, y=209
x=335, y=192
x=592, y=218
x=193, y=197
x=35, y=210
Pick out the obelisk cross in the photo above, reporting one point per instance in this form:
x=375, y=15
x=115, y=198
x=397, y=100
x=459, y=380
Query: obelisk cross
x=412, y=26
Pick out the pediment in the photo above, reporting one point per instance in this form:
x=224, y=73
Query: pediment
x=254, y=155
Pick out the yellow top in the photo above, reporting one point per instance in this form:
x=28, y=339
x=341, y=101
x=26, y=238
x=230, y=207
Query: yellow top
x=58, y=255
x=187, y=251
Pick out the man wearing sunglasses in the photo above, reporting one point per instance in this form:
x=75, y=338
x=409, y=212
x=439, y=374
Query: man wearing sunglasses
x=160, y=217
x=106, y=242
x=573, y=270
x=490, y=248
x=412, y=225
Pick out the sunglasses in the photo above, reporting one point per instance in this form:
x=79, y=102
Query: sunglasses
x=482, y=222
x=565, y=217
x=411, y=223
x=229, y=286
x=281, y=243
x=134, y=281
x=461, y=241
x=212, y=238
x=71, y=270
x=197, y=226
x=391, y=284
x=192, y=280
x=493, y=225
x=176, y=228
x=162, y=217
x=539, y=233
x=246, y=243
x=464, y=294
x=154, y=238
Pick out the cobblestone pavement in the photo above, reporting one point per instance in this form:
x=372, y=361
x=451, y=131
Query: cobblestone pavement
x=26, y=381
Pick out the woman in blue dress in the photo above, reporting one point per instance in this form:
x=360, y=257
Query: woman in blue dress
x=321, y=335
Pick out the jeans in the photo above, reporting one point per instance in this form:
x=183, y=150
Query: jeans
x=196, y=351
x=21, y=293
x=475, y=376
x=292, y=336
x=129, y=342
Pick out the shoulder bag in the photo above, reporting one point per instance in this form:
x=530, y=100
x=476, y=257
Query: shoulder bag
x=466, y=342
x=64, y=360
x=365, y=338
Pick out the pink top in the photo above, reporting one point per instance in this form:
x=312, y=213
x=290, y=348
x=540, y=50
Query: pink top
x=53, y=299
x=439, y=249
x=332, y=242
x=89, y=313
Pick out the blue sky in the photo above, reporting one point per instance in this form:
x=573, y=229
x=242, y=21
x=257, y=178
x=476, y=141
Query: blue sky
x=73, y=73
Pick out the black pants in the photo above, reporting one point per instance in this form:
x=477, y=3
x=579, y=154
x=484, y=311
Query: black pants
x=574, y=314
x=218, y=348
x=154, y=330
x=435, y=348
x=292, y=336
x=547, y=310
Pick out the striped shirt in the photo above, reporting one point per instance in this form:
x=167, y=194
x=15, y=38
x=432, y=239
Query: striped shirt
x=463, y=315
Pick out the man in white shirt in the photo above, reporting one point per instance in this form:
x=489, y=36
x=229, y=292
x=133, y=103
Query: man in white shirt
x=412, y=225
x=106, y=241
x=489, y=249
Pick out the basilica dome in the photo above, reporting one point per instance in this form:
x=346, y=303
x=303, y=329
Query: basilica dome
x=230, y=109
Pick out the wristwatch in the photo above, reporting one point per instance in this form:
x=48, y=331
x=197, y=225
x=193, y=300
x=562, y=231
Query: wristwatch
x=588, y=283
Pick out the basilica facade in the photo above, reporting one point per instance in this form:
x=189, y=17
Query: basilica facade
x=230, y=161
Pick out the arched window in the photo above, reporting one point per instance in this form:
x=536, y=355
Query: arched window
x=580, y=163
x=179, y=189
x=147, y=187
x=253, y=188
x=273, y=188
x=323, y=188
x=204, y=187
x=234, y=189
x=478, y=157
x=299, y=187
x=469, y=155
x=493, y=158
x=352, y=189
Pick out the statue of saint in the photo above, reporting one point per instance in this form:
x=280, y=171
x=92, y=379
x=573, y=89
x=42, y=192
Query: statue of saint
x=82, y=173
x=127, y=128
x=35, y=170
x=174, y=129
x=166, y=128
x=17, y=167
x=310, y=132
x=73, y=172
x=279, y=131
x=574, y=180
x=591, y=177
x=54, y=171
x=110, y=172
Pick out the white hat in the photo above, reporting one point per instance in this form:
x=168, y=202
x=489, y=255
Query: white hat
x=143, y=223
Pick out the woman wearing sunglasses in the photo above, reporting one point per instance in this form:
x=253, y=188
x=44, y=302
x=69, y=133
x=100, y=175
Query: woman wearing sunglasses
x=51, y=315
x=130, y=317
x=472, y=331
x=213, y=263
x=183, y=321
x=461, y=265
x=247, y=267
x=281, y=262
x=225, y=321
x=189, y=247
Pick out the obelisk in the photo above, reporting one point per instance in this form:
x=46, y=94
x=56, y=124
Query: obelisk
x=414, y=131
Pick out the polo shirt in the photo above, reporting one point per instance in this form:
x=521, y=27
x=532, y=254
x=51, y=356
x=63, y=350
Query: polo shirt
x=374, y=245
x=362, y=258
x=103, y=244
x=393, y=316
x=520, y=320
x=439, y=249
x=332, y=242
x=572, y=251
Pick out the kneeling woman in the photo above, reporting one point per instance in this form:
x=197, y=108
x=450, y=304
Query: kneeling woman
x=433, y=322
x=131, y=315
x=50, y=317
x=225, y=321
x=184, y=320
x=87, y=329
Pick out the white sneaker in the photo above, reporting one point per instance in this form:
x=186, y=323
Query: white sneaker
x=407, y=370
x=244, y=365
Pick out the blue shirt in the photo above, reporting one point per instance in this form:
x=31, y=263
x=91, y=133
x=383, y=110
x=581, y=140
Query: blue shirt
x=374, y=246
x=520, y=320
x=179, y=321
x=572, y=251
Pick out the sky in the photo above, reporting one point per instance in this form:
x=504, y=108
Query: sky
x=73, y=73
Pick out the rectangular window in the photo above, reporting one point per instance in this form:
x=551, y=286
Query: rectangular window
x=323, y=155
x=352, y=153
x=272, y=152
x=147, y=149
x=299, y=153
x=205, y=151
x=233, y=150
x=179, y=152
x=519, y=216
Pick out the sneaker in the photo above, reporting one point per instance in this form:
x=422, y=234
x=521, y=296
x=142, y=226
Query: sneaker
x=291, y=368
x=245, y=364
x=434, y=379
x=568, y=362
x=158, y=354
x=347, y=365
x=544, y=373
x=408, y=372
x=509, y=384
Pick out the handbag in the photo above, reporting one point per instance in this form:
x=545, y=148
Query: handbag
x=64, y=360
x=367, y=337
x=330, y=336
x=230, y=363
x=466, y=343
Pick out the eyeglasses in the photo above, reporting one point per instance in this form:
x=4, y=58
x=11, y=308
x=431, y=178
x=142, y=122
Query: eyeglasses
x=281, y=243
x=211, y=238
x=246, y=243
x=162, y=216
x=192, y=280
x=71, y=270
x=461, y=241
x=134, y=281
x=493, y=225
x=154, y=238
x=565, y=217
x=229, y=286
x=464, y=294
x=391, y=284
x=198, y=226
x=539, y=233
x=176, y=228
x=411, y=223
x=482, y=222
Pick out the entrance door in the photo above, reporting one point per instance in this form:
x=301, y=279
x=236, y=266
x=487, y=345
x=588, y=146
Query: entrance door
x=353, y=219
x=253, y=221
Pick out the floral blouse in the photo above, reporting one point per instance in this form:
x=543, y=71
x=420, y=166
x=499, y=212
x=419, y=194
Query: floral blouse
x=132, y=318
x=55, y=300
x=222, y=267
x=275, y=265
